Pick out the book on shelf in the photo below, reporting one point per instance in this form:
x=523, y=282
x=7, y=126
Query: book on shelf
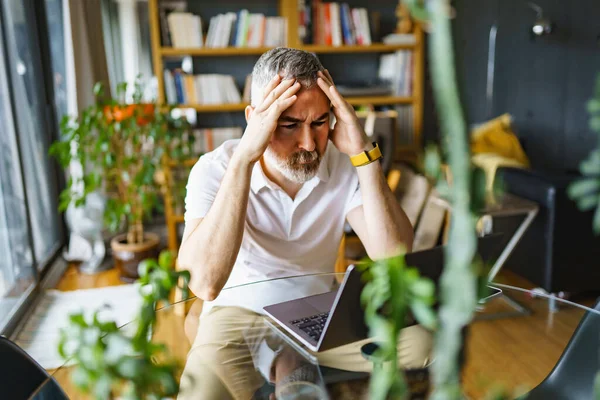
x=245, y=29
x=375, y=26
x=400, y=39
x=241, y=29
x=164, y=9
x=397, y=69
x=335, y=24
x=185, y=30
x=182, y=88
x=302, y=23
x=208, y=139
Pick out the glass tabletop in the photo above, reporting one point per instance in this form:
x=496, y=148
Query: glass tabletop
x=232, y=350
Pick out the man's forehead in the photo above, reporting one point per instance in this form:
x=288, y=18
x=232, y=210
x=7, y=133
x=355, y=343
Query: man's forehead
x=301, y=117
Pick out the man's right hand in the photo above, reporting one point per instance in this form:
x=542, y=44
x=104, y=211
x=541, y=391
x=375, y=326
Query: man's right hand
x=262, y=122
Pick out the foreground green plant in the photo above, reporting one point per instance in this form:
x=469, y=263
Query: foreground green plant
x=109, y=360
x=458, y=285
x=392, y=291
x=586, y=191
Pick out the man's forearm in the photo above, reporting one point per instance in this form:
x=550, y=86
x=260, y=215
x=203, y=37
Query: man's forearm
x=388, y=227
x=210, y=251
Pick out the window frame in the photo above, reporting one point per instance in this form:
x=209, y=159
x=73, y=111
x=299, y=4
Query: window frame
x=37, y=23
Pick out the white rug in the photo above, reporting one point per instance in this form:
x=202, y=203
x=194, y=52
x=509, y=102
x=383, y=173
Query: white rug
x=40, y=335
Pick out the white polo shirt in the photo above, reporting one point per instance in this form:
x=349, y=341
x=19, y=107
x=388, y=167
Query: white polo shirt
x=282, y=237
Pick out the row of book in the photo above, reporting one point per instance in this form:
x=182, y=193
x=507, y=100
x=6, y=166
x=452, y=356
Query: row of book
x=397, y=69
x=241, y=29
x=336, y=24
x=185, y=30
x=245, y=29
x=182, y=88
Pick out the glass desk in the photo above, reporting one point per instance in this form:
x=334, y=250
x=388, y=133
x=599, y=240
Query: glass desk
x=237, y=353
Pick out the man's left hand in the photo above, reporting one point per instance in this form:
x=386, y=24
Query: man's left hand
x=347, y=135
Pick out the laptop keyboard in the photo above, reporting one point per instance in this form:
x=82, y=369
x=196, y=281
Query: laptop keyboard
x=313, y=325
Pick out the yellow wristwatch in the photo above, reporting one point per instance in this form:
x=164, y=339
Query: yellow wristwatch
x=366, y=157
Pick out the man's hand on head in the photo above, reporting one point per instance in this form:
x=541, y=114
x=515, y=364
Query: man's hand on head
x=347, y=135
x=262, y=121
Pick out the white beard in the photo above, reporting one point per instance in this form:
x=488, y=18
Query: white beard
x=299, y=173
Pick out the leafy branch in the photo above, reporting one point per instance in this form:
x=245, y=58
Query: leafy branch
x=392, y=290
x=109, y=360
x=586, y=191
x=458, y=284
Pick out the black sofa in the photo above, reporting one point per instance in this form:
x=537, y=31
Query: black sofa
x=559, y=252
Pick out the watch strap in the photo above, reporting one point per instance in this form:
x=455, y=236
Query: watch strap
x=366, y=157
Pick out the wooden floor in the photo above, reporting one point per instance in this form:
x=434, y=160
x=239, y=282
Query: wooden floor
x=73, y=279
x=517, y=349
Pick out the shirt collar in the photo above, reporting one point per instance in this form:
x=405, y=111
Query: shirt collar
x=259, y=180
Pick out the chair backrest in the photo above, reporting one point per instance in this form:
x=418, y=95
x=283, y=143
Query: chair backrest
x=574, y=373
x=21, y=375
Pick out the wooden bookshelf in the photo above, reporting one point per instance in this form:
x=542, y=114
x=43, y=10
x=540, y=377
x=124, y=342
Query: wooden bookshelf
x=206, y=51
x=355, y=101
x=373, y=48
x=379, y=100
x=287, y=9
x=320, y=49
x=207, y=108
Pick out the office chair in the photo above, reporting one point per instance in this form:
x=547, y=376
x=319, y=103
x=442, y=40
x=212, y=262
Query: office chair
x=573, y=375
x=21, y=376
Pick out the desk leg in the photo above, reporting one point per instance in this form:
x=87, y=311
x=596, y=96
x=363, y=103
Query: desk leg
x=512, y=244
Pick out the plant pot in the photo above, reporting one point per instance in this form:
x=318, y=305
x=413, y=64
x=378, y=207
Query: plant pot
x=127, y=256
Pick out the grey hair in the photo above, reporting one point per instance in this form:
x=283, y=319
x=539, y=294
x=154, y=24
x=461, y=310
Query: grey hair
x=289, y=63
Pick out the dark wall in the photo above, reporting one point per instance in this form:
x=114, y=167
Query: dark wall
x=543, y=82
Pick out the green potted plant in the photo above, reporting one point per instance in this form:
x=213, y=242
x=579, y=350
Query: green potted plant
x=121, y=146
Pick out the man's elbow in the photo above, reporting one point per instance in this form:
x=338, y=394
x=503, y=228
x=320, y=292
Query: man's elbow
x=201, y=285
x=205, y=284
x=204, y=291
x=207, y=293
x=397, y=247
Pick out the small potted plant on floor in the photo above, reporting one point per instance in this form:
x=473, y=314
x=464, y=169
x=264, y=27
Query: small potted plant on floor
x=120, y=147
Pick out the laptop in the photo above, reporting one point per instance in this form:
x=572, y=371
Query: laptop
x=324, y=321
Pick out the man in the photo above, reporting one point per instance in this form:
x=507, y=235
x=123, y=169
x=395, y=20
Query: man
x=274, y=203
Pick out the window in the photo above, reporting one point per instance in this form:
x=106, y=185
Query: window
x=16, y=258
x=56, y=32
x=30, y=225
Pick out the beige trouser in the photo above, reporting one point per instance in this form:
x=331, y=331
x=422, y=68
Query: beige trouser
x=220, y=366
